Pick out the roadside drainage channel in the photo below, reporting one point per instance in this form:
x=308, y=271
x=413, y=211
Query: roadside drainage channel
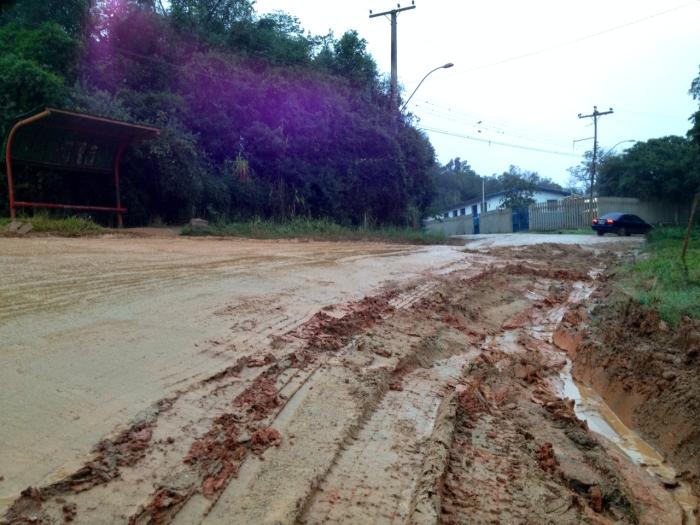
x=591, y=408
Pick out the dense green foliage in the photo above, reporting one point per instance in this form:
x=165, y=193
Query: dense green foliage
x=666, y=168
x=317, y=229
x=659, y=279
x=35, y=66
x=70, y=15
x=258, y=118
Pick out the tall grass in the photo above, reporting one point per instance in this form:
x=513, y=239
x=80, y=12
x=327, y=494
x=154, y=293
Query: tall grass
x=659, y=278
x=68, y=226
x=316, y=229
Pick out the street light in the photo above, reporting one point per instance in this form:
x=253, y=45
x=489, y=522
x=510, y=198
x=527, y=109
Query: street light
x=622, y=142
x=446, y=66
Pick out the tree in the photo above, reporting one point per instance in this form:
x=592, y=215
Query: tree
x=456, y=182
x=278, y=38
x=211, y=19
x=353, y=61
x=662, y=168
x=580, y=176
x=34, y=69
x=257, y=117
x=519, y=187
x=694, y=132
x=70, y=15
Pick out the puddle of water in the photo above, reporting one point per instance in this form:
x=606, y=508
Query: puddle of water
x=590, y=407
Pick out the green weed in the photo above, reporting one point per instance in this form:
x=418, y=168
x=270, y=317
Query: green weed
x=659, y=279
x=316, y=229
x=68, y=226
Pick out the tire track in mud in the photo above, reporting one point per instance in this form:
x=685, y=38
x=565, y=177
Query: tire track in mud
x=79, y=286
x=170, y=497
x=415, y=405
x=110, y=485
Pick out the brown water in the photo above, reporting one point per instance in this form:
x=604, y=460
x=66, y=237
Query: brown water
x=590, y=407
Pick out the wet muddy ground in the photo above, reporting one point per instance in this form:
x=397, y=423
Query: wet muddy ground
x=206, y=381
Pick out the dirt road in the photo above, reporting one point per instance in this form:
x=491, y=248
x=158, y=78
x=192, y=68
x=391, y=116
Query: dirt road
x=208, y=381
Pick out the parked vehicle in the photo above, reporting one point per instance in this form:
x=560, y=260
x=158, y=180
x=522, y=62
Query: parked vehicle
x=620, y=223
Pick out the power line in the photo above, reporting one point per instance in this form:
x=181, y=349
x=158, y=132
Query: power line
x=478, y=118
x=484, y=125
x=499, y=143
x=573, y=41
x=647, y=115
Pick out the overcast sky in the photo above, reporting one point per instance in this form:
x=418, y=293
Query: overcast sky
x=636, y=56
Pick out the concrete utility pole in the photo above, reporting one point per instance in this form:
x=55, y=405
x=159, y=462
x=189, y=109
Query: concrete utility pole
x=594, y=116
x=394, y=54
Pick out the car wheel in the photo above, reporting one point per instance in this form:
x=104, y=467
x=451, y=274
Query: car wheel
x=600, y=233
x=622, y=231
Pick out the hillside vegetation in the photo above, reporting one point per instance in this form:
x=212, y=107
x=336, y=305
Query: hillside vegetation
x=258, y=118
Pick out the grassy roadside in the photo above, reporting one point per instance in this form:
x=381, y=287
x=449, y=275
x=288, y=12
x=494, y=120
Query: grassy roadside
x=317, y=230
x=67, y=227
x=659, y=280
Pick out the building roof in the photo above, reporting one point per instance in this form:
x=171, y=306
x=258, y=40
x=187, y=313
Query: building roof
x=477, y=200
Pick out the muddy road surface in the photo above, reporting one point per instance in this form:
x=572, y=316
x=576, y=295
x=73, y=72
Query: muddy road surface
x=211, y=381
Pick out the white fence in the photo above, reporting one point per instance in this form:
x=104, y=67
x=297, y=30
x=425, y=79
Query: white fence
x=568, y=214
x=575, y=213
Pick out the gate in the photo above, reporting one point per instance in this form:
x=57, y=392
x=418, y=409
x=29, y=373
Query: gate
x=521, y=220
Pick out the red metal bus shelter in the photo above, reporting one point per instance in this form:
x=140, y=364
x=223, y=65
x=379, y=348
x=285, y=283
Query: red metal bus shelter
x=61, y=140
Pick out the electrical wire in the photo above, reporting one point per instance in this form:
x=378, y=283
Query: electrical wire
x=483, y=125
x=570, y=42
x=498, y=143
x=480, y=127
x=481, y=119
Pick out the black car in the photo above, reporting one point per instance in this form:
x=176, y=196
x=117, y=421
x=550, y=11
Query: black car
x=620, y=223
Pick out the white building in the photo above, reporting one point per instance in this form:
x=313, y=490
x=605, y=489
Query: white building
x=493, y=201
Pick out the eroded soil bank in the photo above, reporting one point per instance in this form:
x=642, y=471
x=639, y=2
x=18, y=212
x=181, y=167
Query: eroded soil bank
x=432, y=400
x=648, y=372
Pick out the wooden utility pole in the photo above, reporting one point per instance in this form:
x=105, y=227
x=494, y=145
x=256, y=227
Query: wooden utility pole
x=394, y=53
x=594, y=116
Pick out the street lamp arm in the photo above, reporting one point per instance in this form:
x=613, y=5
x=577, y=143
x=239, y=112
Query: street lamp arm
x=622, y=142
x=445, y=66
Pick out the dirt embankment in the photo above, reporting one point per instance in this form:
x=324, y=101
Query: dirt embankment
x=648, y=372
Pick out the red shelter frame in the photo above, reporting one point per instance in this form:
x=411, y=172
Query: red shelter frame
x=114, y=135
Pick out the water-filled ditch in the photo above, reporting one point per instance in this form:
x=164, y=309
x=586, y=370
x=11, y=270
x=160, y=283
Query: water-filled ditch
x=590, y=407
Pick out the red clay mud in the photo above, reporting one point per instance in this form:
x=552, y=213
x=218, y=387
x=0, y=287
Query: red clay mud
x=649, y=374
x=429, y=402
